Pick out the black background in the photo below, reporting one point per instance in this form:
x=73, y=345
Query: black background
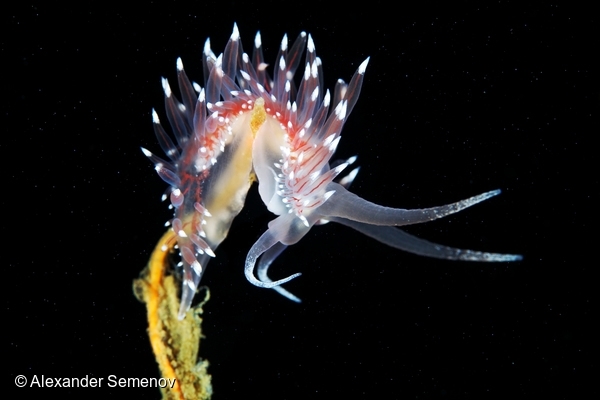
x=457, y=100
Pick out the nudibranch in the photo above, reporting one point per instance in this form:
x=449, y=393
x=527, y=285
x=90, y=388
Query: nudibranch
x=244, y=125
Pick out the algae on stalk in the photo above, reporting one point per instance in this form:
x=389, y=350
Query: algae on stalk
x=175, y=342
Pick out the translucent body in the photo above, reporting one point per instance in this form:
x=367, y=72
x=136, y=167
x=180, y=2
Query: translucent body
x=244, y=126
